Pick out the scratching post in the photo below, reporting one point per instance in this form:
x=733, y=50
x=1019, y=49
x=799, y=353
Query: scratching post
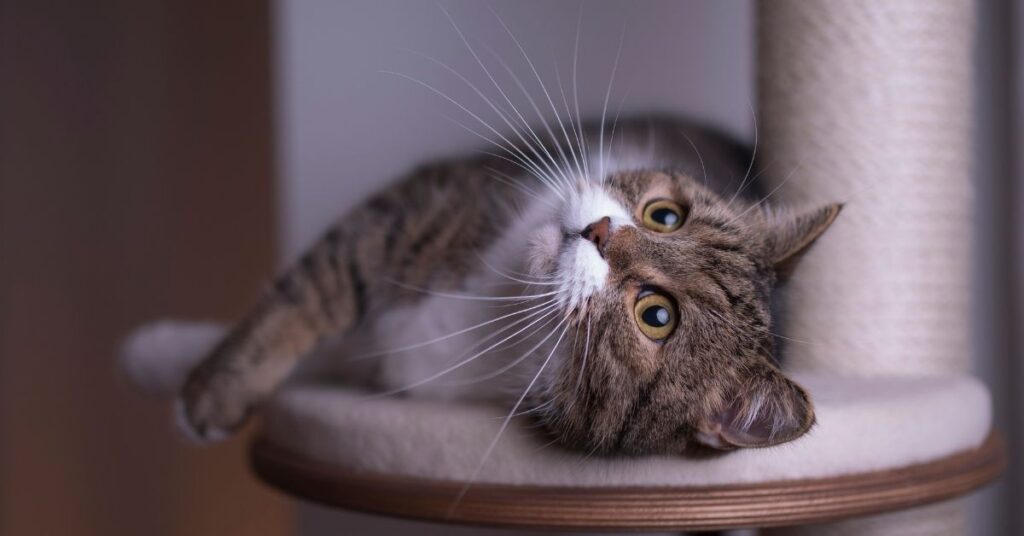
x=868, y=103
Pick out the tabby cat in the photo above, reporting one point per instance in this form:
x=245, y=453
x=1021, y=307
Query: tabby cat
x=618, y=295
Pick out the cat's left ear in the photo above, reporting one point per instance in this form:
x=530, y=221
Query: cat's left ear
x=767, y=410
x=791, y=235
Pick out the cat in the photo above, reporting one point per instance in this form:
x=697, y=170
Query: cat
x=616, y=287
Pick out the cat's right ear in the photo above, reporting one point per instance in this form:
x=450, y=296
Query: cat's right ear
x=792, y=234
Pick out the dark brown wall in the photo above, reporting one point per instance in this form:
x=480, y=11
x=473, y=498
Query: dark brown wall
x=135, y=182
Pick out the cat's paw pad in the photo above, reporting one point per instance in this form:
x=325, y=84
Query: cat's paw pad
x=207, y=415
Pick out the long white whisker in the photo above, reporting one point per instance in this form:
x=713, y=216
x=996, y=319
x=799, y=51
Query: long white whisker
x=766, y=330
x=515, y=362
x=505, y=423
x=546, y=176
x=543, y=87
x=699, y=157
x=487, y=72
x=466, y=296
x=761, y=172
x=584, y=149
x=578, y=155
x=509, y=366
x=535, y=409
x=511, y=146
x=604, y=108
x=526, y=165
x=615, y=122
x=456, y=366
x=586, y=350
x=547, y=314
x=462, y=331
x=753, y=156
x=512, y=182
x=765, y=198
x=536, y=109
x=512, y=275
x=549, y=183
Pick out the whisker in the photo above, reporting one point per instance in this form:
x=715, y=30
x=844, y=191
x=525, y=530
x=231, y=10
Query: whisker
x=586, y=350
x=581, y=159
x=512, y=148
x=576, y=96
x=504, y=425
x=547, y=315
x=451, y=335
x=447, y=370
x=761, y=171
x=604, y=109
x=546, y=445
x=521, y=160
x=510, y=181
x=512, y=364
x=703, y=169
x=615, y=122
x=543, y=282
x=526, y=165
x=504, y=95
x=466, y=296
x=536, y=109
x=753, y=156
x=765, y=198
x=547, y=182
x=766, y=330
x=535, y=409
x=543, y=87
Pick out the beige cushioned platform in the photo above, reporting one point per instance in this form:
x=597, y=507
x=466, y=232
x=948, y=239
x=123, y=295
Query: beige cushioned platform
x=864, y=424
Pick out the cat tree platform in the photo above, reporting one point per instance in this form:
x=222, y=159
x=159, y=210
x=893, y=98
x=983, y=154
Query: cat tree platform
x=880, y=444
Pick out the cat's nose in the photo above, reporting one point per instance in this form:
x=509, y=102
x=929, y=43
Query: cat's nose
x=597, y=233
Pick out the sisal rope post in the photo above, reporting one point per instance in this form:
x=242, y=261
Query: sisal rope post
x=868, y=103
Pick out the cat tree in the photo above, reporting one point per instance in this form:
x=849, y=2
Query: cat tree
x=866, y=102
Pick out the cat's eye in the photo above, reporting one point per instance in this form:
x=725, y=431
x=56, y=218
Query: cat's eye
x=655, y=315
x=663, y=216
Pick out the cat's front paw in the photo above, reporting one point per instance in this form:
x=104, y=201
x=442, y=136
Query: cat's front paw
x=209, y=411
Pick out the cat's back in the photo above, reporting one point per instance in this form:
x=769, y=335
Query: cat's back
x=659, y=141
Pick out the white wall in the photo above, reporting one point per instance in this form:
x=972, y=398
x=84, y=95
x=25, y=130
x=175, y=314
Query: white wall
x=345, y=129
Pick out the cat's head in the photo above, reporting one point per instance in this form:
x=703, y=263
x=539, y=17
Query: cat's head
x=667, y=287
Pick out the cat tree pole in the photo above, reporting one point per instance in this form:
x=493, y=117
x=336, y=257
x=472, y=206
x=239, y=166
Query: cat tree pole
x=869, y=103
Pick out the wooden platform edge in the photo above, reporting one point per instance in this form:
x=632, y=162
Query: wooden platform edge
x=780, y=503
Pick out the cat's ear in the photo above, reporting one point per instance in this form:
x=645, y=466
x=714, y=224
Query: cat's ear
x=791, y=235
x=764, y=412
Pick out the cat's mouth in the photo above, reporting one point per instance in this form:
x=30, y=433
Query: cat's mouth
x=581, y=272
x=567, y=251
x=567, y=264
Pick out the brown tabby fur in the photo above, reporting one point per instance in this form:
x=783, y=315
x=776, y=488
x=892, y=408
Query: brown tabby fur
x=713, y=381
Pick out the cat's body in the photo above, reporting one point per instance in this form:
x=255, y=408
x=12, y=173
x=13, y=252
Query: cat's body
x=622, y=296
x=369, y=355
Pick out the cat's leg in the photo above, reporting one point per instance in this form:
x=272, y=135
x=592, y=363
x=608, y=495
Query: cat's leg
x=324, y=294
x=421, y=233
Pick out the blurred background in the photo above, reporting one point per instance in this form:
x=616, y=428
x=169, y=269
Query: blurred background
x=161, y=159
